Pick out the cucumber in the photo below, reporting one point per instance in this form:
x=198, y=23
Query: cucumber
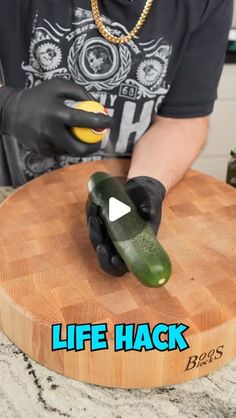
x=142, y=253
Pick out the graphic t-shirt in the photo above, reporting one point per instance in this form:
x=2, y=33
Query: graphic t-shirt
x=171, y=68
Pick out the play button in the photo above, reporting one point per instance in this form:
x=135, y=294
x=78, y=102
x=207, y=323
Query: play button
x=117, y=209
x=119, y=217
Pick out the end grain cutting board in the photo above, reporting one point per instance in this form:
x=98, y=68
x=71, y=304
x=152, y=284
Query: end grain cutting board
x=49, y=274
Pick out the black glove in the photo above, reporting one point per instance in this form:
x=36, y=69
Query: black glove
x=147, y=194
x=39, y=119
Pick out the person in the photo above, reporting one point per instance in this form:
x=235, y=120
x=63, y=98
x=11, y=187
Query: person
x=165, y=60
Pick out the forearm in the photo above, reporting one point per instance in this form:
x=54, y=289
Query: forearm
x=168, y=149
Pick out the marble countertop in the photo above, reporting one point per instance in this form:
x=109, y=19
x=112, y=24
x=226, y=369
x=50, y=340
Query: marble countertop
x=28, y=389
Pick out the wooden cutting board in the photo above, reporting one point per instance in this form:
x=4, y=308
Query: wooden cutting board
x=49, y=275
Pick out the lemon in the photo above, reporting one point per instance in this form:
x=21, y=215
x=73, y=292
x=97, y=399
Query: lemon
x=88, y=135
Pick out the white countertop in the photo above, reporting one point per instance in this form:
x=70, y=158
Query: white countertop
x=29, y=390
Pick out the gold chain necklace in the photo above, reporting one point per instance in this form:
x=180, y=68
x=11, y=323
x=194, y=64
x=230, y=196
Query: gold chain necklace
x=124, y=39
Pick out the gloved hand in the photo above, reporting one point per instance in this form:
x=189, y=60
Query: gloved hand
x=147, y=194
x=39, y=119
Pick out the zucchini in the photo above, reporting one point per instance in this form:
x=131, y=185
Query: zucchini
x=142, y=253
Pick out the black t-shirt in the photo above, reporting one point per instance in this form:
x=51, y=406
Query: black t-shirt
x=172, y=68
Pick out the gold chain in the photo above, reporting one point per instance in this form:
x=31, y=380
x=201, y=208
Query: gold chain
x=124, y=39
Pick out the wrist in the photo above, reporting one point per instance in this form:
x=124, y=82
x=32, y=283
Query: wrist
x=149, y=171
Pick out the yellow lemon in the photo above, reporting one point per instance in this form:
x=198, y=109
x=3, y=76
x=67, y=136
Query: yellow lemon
x=88, y=135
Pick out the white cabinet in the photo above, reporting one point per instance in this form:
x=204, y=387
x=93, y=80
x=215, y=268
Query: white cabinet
x=222, y=136
x=234, y=18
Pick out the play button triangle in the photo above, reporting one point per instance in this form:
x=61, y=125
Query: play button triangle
x=117, y=209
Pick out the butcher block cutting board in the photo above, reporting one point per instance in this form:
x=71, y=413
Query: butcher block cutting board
x=49, y=275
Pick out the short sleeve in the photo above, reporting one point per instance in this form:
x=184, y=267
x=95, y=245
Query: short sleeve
x=194, y=88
